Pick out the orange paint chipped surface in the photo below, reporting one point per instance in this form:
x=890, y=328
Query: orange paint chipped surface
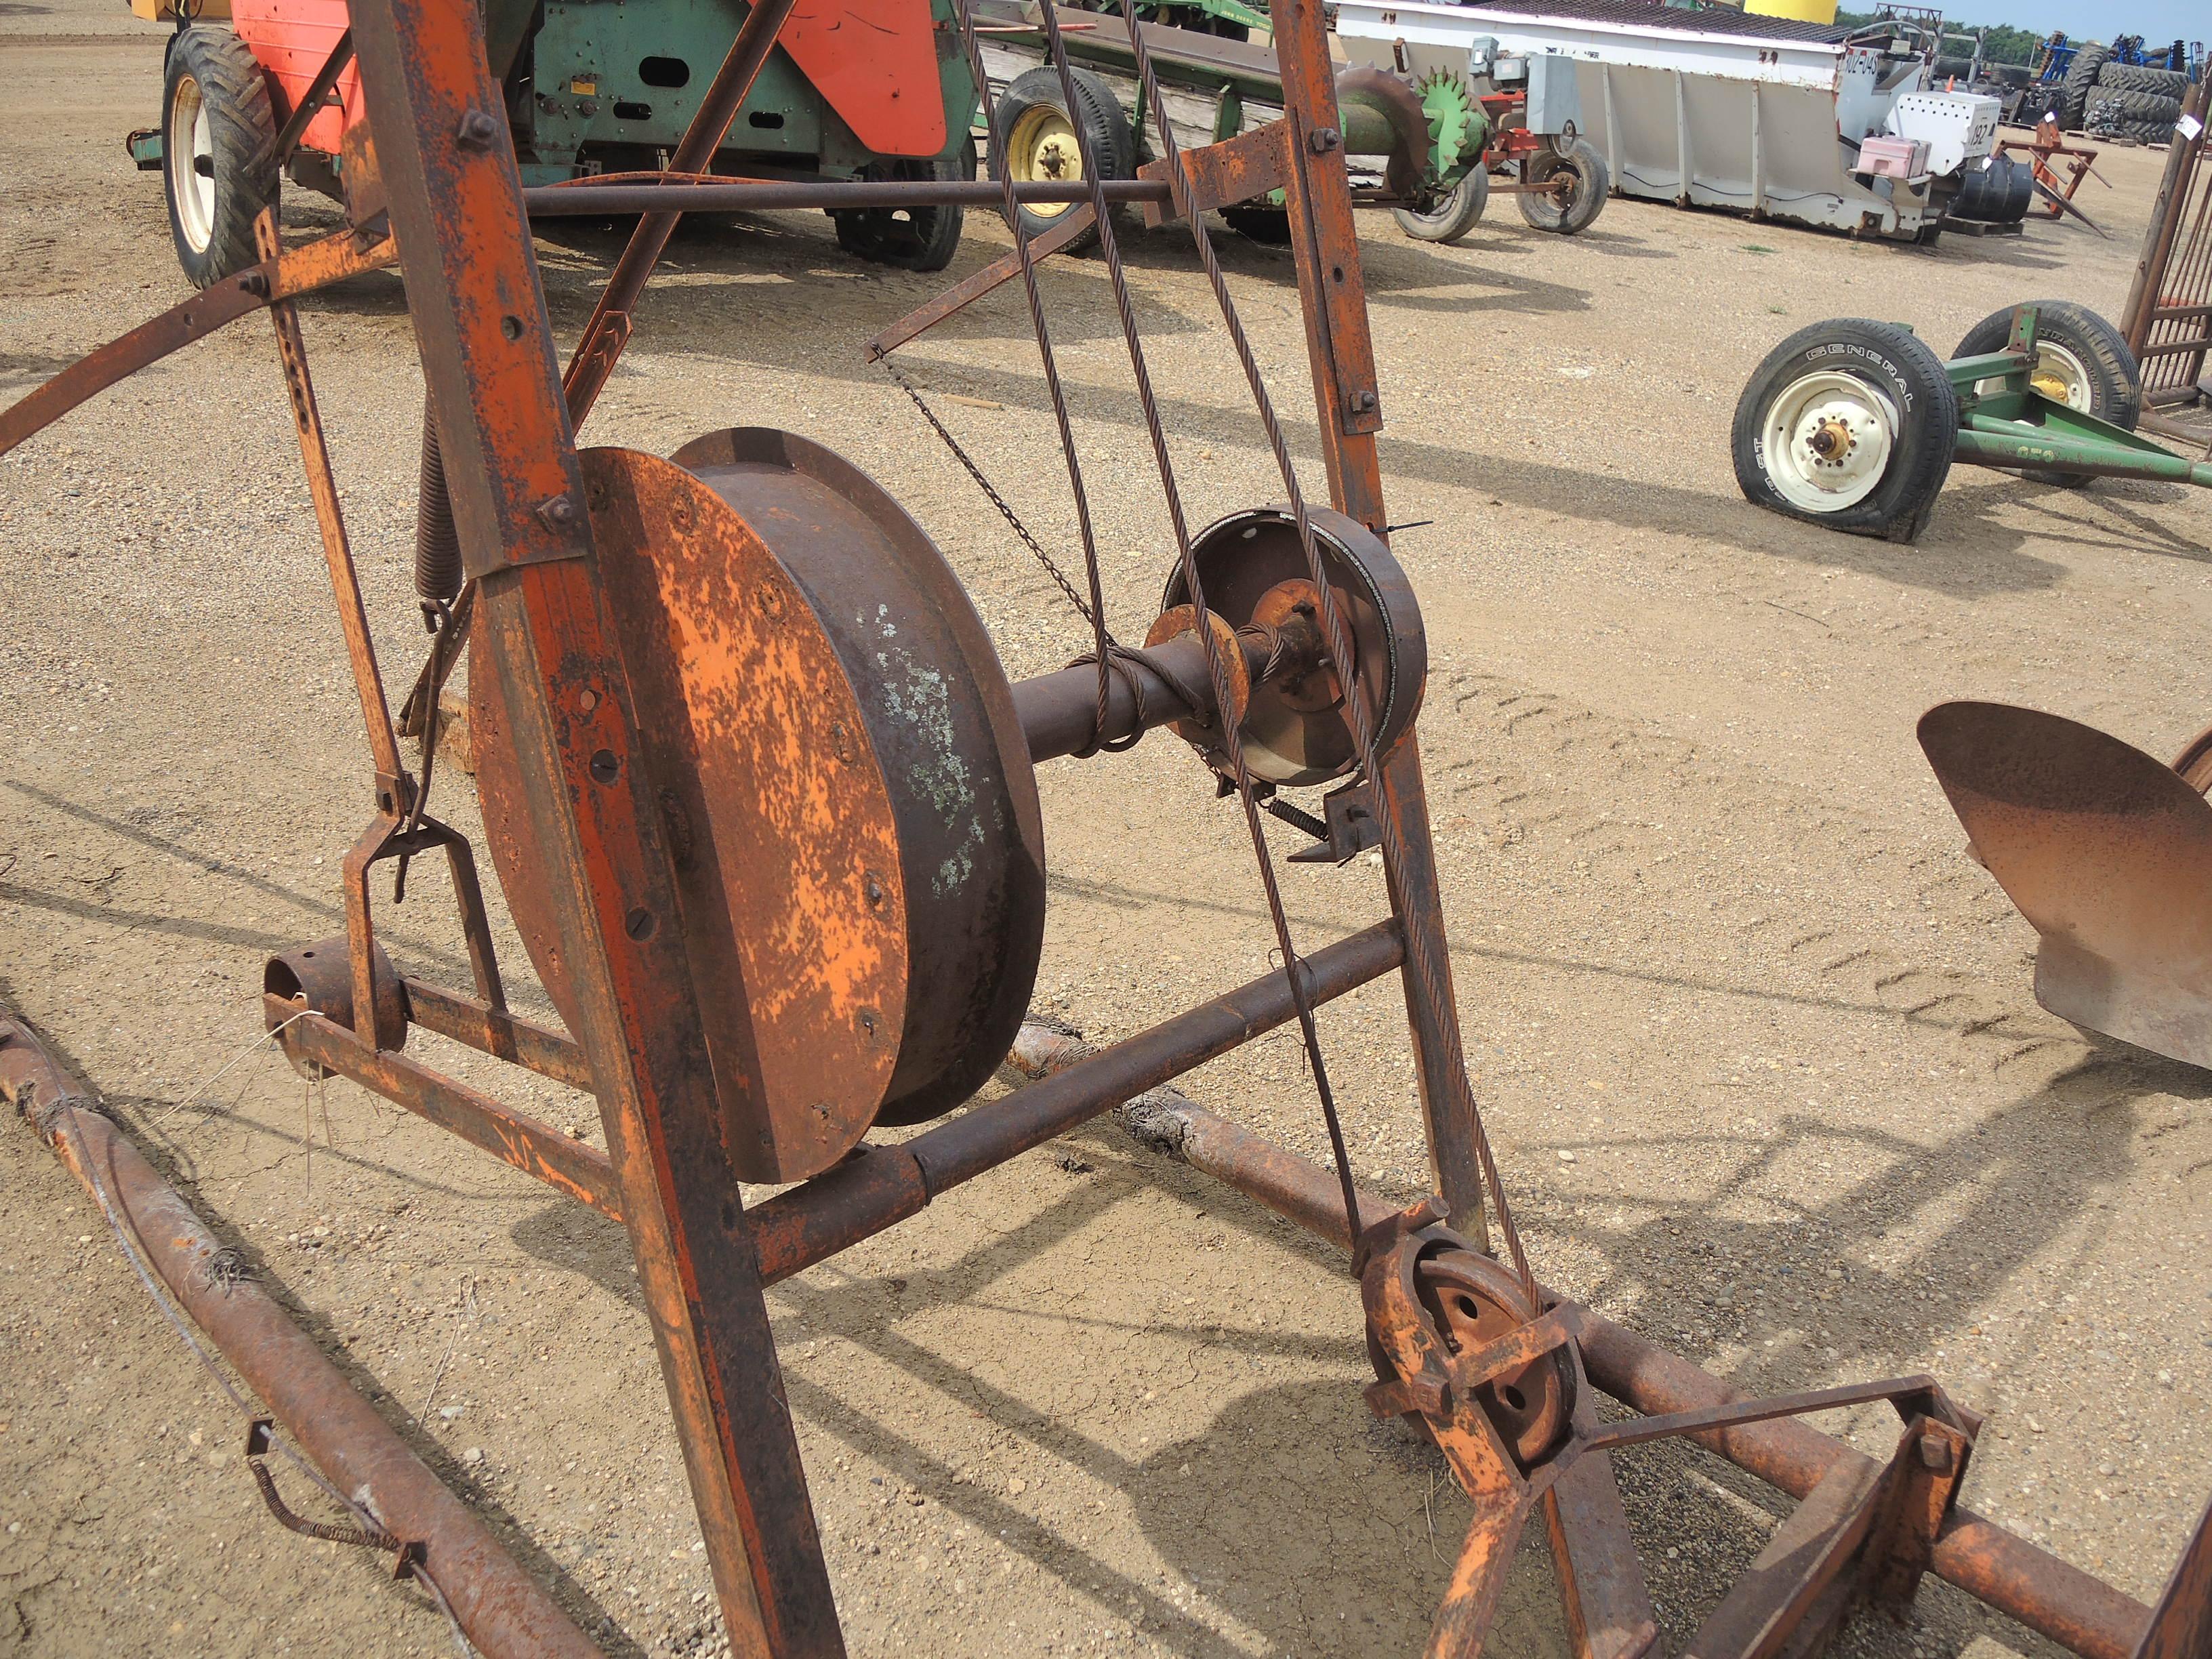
x=778, y=817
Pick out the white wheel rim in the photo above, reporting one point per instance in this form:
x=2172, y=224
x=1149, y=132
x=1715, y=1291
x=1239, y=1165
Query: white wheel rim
x=2059, y=374
x=1828, y=440
x=186, y=143
x=2062, y=376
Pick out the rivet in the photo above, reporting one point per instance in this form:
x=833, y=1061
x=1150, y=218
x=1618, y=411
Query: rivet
x=874, y=889
x=840, y=742
x=477, y=131
x=770, y=601
x=587, y=700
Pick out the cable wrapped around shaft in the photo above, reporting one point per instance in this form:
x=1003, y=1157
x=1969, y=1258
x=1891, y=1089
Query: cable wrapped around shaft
x=437, y=545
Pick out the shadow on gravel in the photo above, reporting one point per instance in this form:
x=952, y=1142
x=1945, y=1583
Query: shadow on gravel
x=1969, y=550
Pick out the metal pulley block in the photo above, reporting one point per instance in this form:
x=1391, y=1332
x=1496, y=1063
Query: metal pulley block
x=1252, y=569
x=850, y=807
x=1431, y=1297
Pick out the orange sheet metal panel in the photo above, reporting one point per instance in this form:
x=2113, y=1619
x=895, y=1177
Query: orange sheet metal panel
x=876, y=62
x=291, y=39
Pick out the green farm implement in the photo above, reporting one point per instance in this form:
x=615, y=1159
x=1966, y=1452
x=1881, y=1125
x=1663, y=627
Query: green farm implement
x=1855, y=424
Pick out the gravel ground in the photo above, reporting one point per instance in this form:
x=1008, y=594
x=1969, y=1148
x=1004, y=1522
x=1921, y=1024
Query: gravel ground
x=1755, y=1038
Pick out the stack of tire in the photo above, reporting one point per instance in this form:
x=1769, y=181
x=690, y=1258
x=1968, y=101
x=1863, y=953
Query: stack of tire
x=2133, y=101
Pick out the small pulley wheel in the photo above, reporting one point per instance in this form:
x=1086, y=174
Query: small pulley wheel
x=1253, y=569
x=1472, y=1301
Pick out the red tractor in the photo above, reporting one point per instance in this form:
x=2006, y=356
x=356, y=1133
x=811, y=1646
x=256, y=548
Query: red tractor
x=589, y=88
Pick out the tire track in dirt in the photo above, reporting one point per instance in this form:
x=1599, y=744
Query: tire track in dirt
x=1555, y=784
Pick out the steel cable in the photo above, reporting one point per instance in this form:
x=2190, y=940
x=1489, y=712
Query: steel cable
x=1419, y=946
x=1103, y=643
x=1233, y=743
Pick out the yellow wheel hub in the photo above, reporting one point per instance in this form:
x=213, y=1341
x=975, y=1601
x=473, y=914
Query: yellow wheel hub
x=1042, y=150
x=2051, y=386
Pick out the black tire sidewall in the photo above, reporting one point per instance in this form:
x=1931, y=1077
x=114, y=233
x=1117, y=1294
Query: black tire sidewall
x=1107, y=139
x=1902, y=369
x=2115, y=381
x=1595, y=184
x=1455, y=216
x=242, y=138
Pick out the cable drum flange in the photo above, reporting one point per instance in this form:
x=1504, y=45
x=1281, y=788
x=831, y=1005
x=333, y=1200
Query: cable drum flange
x=851, y=814
x=1254, y=570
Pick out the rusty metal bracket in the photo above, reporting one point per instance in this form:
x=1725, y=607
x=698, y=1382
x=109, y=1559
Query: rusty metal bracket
x=287, y=276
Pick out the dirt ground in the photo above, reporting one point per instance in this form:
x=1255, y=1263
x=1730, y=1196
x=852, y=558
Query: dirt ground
x=1756, y=1040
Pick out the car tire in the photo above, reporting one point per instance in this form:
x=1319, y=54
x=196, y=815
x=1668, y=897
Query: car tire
x=1850, y=424
x=1585, y=197
x=218, y=151
x=1455, y=215
x=2086, y=358
x=1035, y=137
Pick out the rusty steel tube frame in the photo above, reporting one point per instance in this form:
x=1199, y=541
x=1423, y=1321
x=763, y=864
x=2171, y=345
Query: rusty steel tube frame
x=501, y=1608
x=2082, y=1614
x=457, y=211
x=746, y=195
x=881, y=1185
x=1058, y=712
x=547, y=631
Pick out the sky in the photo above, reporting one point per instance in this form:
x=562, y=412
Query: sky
x=2090, y=20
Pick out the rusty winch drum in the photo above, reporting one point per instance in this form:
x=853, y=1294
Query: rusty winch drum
x=848, y=798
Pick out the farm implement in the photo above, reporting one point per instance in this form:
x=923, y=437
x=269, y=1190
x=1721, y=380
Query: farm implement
x=763, y=803
x=1855, y=424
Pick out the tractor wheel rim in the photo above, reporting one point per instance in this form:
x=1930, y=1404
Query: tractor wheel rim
x=1042, y=150
x=1828, y=440
x=2062, y=376
x=189, y=141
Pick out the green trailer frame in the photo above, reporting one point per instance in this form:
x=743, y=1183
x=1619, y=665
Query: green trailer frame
x=2016, y=426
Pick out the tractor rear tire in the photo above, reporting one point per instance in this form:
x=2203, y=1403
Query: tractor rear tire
x=2139, y=77
x=2086, y=355
x=2080, y=78
x=1850, y=424
x=218, y=151
x=1586, y=194
x=2121, y=110
x=911, y=239
x=1034, y=134
x=1452, y=217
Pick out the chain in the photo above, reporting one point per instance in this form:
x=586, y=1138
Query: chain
x=1051, y=566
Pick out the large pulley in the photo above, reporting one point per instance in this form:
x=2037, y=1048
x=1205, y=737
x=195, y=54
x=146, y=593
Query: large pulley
x=1252, y=570
x=848, y=804
x=1431, y=1296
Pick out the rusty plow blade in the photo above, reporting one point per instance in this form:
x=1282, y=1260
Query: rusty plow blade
x=2108, y=851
